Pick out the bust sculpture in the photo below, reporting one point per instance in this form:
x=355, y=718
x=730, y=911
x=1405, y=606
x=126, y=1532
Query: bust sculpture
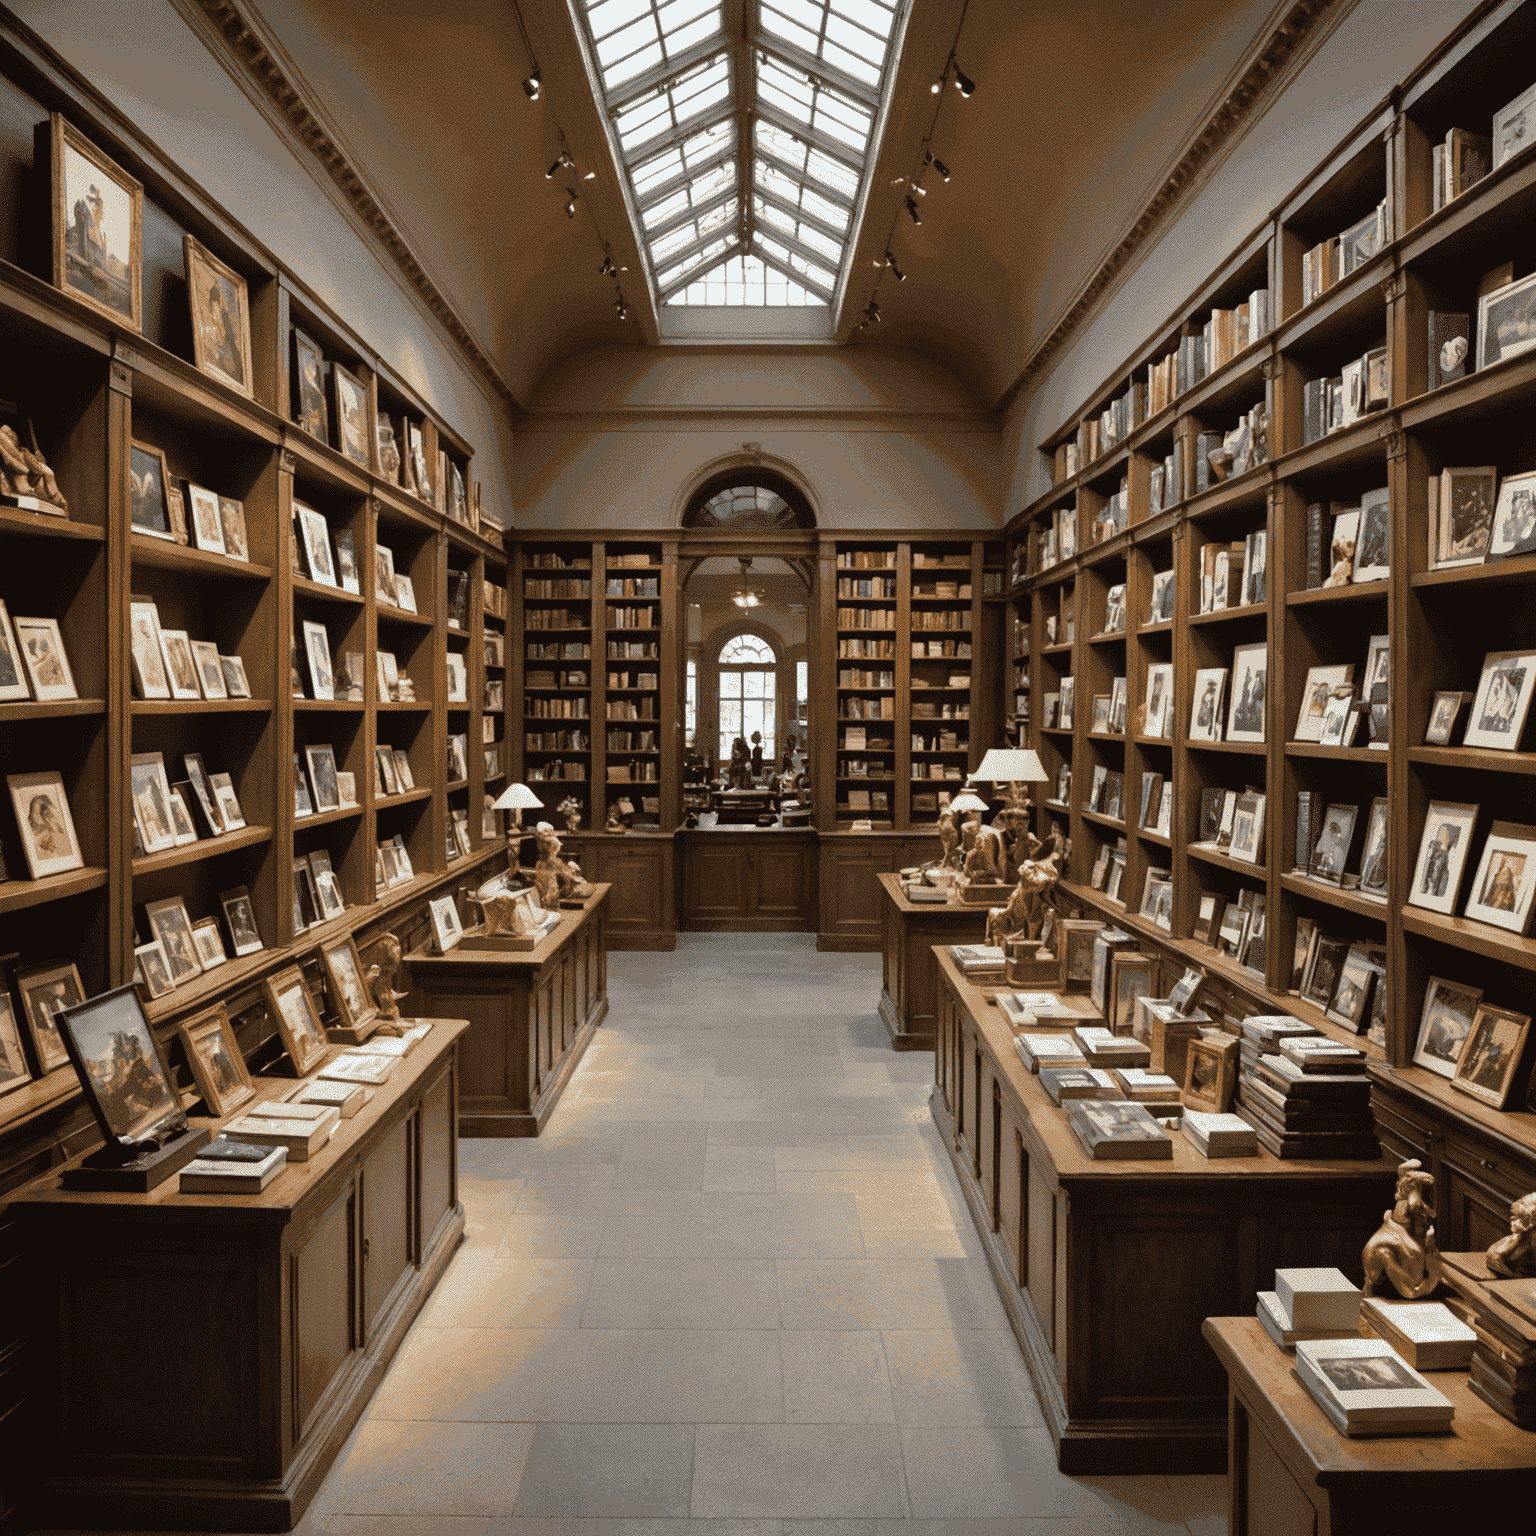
x=1514, y=1257
x=380, y=977
x=1404, y=1250
x=554, y=877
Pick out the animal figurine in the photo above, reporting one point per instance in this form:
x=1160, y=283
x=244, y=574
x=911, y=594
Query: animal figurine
x=570, y=809
x=1343, y=556
x=380, y=977
x=25, y=472
x=615, y=822
x=982, y=863
x=1404, y=1250
x=1514, y=1256
x=1026, y=909
x=554, y=877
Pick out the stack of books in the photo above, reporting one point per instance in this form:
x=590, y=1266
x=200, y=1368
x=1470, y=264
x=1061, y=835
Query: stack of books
x=1366, y=1388
x=1262, y=1034
x=1312, y=1099
x=1427, y=1334
x=1503, y=1315
x=300, y=1128
x=226, y=1167
x=1310, y=1304
x=1103, y=1048
x=1037, y=1051
x=1220, y=1135
x=345, y=1098
x=1118, y=1130
x=979, y=962
x=1026, y=1010
x=1158, y=1091
x=1062, y=1083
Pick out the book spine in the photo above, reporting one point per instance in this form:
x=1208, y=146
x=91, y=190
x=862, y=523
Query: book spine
x=1314, y=545
x=1303, y=827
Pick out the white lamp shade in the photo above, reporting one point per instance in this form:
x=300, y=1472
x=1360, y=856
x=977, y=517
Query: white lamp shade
x=1011, y=765
x=517, y=797
x=966, y=801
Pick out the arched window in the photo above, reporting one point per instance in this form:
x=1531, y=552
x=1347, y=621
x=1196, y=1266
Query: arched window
x=748, y=693
x=748, y=499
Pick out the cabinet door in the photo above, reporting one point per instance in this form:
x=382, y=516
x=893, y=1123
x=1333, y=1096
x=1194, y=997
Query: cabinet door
x=439, y=1148
x=782, y=887
x=635, y=902
x=388, y=1190
x=717, y=883
x=852, y=897
x=322, y=1302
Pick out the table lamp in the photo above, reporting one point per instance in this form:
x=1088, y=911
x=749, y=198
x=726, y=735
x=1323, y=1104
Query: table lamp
x=516, y=798
x=1013, y=766
x=969, y=800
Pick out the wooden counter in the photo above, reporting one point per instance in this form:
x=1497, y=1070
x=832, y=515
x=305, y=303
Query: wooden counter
x=1107, y=1270
x=531, y=1013
x=203, y=1358
x=641, y=912
x=1291, y=1470
x=748, y=880
x=909, y=991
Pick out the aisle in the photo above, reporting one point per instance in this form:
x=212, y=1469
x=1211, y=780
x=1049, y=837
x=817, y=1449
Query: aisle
x=734, y=1281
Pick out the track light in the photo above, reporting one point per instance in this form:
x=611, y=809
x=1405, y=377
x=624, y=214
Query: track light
x=873, y=312
x=531, y=85
x=963, y=82
x=570, y=202
x=890, y=261
x=559, y=165
x=917, y=218
x=938, y=85
x=608, y=269
x=620, y=308
x=938, y=165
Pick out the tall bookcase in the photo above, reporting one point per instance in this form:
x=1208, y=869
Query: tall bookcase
x=632, y=712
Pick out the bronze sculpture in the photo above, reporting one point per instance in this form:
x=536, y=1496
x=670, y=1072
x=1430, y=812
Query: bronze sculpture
x=554, y=877
x=25, y=472
x=1514, y=1256
x=380, y=977
x=570, y=809
x=1403, y=1249
x=1027, y=906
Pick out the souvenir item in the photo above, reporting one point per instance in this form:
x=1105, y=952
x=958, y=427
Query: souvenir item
x=1503, y=700
x=240, y=916
x=1490, y=1055
x=126, y=1078
x=45, y=991
x=207, y=521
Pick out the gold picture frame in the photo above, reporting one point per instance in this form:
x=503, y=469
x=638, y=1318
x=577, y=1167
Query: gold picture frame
x=221, y=340
x=91, y=224
x=348, y=983
x=1210, y=1075
x=292, y=1008
x=218, y=1067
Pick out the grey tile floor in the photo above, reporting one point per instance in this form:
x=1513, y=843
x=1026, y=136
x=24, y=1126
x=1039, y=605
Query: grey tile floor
x=733, y=1290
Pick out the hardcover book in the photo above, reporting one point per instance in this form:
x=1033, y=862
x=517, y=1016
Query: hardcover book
x=1365, y=1387
x=1110, y=1130
x=1318, y=1298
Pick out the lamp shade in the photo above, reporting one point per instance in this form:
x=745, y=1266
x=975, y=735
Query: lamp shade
x=967, y=801
x=1011, y=765
x=517, y=797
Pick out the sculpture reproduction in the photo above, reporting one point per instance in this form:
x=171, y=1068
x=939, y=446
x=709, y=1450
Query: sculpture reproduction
x=949, y=838
x=1012, y=823
x=1404, y=1250
x=554, y=877
x=25, y=472
x=1024, y=916
x=1514, y=1257
x=739, y=774
x=570, y=809
x=380, y=977
x=615, y=822
x=983, y=864
x=1343, y=556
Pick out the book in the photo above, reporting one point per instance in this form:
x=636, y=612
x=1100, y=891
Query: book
x=976, y=960
x=1036, y=1051
x=1318, y=1298
x=345, y=1098
x=1220, y=1135
x=393, y=1047
x=1024, y=1010
x=1141, y=1085
x=1305, y=799
x=1103, y=1048
x=351, y=1067
x=303, y=1136
x=1113, y=1131
x=222, y=1175
x=1064, y=1083
x=1427, y=1334
x=1319, y=1053
x=1277, y=1324
x=1365, y=1387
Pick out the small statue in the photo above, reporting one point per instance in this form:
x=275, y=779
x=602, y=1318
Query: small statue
x=615, y=823
x=1012, y=822
x=24, y=471
x=570, y=809
x=949, y=839
x=1404, y=1250
x=496, y=902
x=968, y=830
x=981, y=863
x=1343, y=555
x=757, y=754
x=380, y=977
x=739, y=774
x=1514, y=1256
x=554, y=877
x=1026, y=909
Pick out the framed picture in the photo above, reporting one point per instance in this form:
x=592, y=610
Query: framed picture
x=45, y=991
x=210, y=670
x=1205, y=709
x=42, y=652
x=181, y=814
x=1249, y=668
x=309, y=405
x=1443, y=715
x=209, y=942
x=148, y=509
x=122, y=1068
x=1373, y=861
x=421, y=479
x=1315, y=693
x=207, y=519
x=314, y=535
x=240, y=918
x=1130, y=977
x=327, y=888
x=1514, y=127
x=1098, y=725
x=1506, y=877
x=1301, y=953
x=1116, y=878
x=1442, y=857
x=14, y=1071
x=458, y=685
x=176, y=649
x=228, y=802
x=348, y=988
x=13, y=680
x=384, y=574
x=1463, y=515
x=1486, y=1068
x=389, y=779
x=202, y=791
x=151, y=792
x=145, y=651
x=221, y=317
x=293, y=1009
x=1185, y=993
x=346, y=562
x=306, y=899
x=403, y=770
x=1248, y=827
x=447, y=930
x=1076, y=940
x=47, y=829
x=1210, y=1074
x=1373, y=542
x=1503, y=700
x=97, y=228
x=1208, y=917
x=1068, y=696
x=1340, y=720
x=1378, y=664
x=1445, y=1023
x=1352, y=990
x=169, y=923
x=218, y=1068
x=351, y=397
x=236, y=684
x=317, y=648
x=1514, y=521
x=1328, y=956
x=1506, y=322
x=1161, y=608
x=322, y=775
x=405, y=594
x=232, y=520
x=1330, y=853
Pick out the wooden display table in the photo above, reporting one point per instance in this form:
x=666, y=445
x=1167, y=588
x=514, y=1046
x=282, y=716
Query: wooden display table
x=531, y=1013
x=1108, y=1269
x=201, y=1359
x=909, y=992
x=1291, y=1470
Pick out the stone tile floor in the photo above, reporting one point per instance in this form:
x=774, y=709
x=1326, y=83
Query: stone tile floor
x=733, y=1290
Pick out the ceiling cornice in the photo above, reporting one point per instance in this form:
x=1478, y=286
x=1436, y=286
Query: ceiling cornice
x=711, y=418
x=259, y=64
x=1291, y=36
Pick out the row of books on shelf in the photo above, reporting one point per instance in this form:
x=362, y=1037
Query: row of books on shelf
x=540, y=679
x=938, y=741
x=634, y=772
x=1330, y=261
x=631, y=709
x=866, y=650
x=552, y=587
x=881, y=708
x=941, y=618
x=866, y=586
x=925, y=770
x=1329, y=405
x=553, y=560
x=632, y=586
x=926, y=710
x=857, y=739
x=557, y=619
x=1222, y=456
x=959, y=590
x=557, y=741
x=858, y=677
x=865, y=768
x=565, y=770
x=633, y=650
x=494, y=599
x=632, y=741
x=948, y=560
x=167, y=815
x=866, y=560
x=570, y=650
x=866, y=618
x=633, y=618
x=577, y=708
x=935, y=650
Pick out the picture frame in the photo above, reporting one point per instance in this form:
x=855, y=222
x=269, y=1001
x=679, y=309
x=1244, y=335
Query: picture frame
x=1315, y=693
x=327, y=888
x=14, y=685
x=1075, y=938
x=306, y=899
x=240, y=920
x=150, y=790
x=317, y=651
x=1373, y=856
x=384, y=574
x=1442, y=856
x=1330, y=852
x=15, y=1071
x=97, y=227
x=350, y=397
x=1506, y=322
x=389, y=782
x=1327, y=960
x=405, y=593
x=221, y=317
x=1205, y=712
x=1444, y=712
x=1208, y=917
x=321, y=761
x=1098, y=724
x=1340, y=721
x=1246, y=719
x=112, y=1047
x=346, y=983
x=1514, y=127
x=1255, y=585
x=310, y=409
x=210, y=669
x=1514, y=519
x=41, y=647
x=232, y=519
x=1301, y=952
x=346, y=787
x=168, y=922
x=218, y=1066
x=181, y=816
x=202, y=790
x=1352, y=990
x=45, y=991
x=1210, y=1074
x=1464, y=510
x=48, y=838
x=1505, y=881
x=146, y=654
x=151, y=970
x=176, y=648
x=1131, y=975
x=236, y=684
x=1373, y=539
x=314, y=535
x=1502, y=701
x=1161, y=607
x=403, y=769
x=148, y=479
x=228, y=801
x=292, y=1009
x=458, y=681
x=1445, y=1022
x=1378, y=664
x=1185, y=992
x=447, y=930
x=207, y=521
x=421, y=478
x=209, y=942
x=1248, y=827
x=1068, y=700
x=1491, y=1055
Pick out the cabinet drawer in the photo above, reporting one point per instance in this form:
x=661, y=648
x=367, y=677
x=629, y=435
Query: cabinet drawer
x=1503, y=1176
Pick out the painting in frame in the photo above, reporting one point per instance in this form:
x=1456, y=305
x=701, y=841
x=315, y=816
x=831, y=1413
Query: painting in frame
x=218, y=1067
x=98, y=218
x=221, y=317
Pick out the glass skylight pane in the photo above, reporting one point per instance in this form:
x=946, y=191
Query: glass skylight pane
x=833, y=173
x=655, y=171
x=624, y=42
x=712, y=141
x=877, y=16
x=696, y=32
x=817, y=241
x=658, y=214
x=829, y=213
x=850, y=63
x=840, y=119
x=635, y=64
x=724, y=214
x=782, y=26
x=712, y=181
x=856, y=40
x=642, y=121
x=775, y=216
x=606, y=16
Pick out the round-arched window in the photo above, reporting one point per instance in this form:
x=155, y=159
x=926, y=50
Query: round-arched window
x=745, y=500
x=748, y=672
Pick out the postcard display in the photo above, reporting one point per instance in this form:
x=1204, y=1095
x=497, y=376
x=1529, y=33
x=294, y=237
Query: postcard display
x=193, y=509
x=1333, y=508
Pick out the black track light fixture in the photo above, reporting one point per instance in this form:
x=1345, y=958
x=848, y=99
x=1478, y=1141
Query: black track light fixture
x=570, y=202
x=896, y=271
x=963, y=83
x=620, y=308
x=873, y=313
x=563, y=163
x=911, y=204
x=532, y=85
x=938, y=165
x=610, y=268
x=938, y=85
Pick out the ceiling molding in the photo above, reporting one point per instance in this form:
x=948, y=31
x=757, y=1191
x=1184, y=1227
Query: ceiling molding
x=1293, y=34
x=709, y=418
x=258, y=63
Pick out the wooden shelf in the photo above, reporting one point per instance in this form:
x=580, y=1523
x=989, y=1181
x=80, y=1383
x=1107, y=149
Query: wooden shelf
x=205, y=706
x=1496, y=573
x=1153, y=741
x=1361, y=593
x=16, y=894
x=1154, y=837
x=329, y=706
x=304, y=587
x=51, y=709
x=1099, y=819
x=408, y=797
x=1241, y=748
x=1475, y=937
x=326, y=818
x=204, y=848
x=1162, y=627
x=1226, y=615
x=1335, y=896
x=161, y=555
x=408, y=707
x=1474, y=757
x=1112, y=637
x=1337, y=754
x=15, y=523
x=388, y=613
x=1208, y=855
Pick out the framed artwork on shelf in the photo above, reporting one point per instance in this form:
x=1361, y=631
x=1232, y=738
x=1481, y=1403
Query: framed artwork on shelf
x=151, y=793
x=209, y=942
x=207, y=521
x=176, y=648
x=1330, y=853
x=1506, y=878
x=1340, y=721
x=1462, y=505
x=232, y=519
x=1514, y=521
x=293, y=1011
x=45, y=991
x=221, y=317
x=47, y=829
x=351, y=401
x=47, y=664
x=314, y=535
x=240, y=918
x=210, y=670
x=97, y=227
x=1503, y=701
x=322, y=776
x=309, y=404
x=228, y=801
x=347, y=983
x=1248, y=827
x=236, y=684
x=1373, y=542
x=13, y=680
x=1373, y=861
x=327, y=888
x=1442, y=857
x=1249, y=671
x=1444, y=712
x=218, y=1067
x=146, y=653
x=1352, y=990
x=151, y=970
x=1514, y=127
x=1323, y=967
x=127, y=1080
x=1210, y=1075
x=447, y=930
x=1316, y=691
x=181, y=815
x=1489, y=1058
x=1506, y=322
x=148, y=508
x=1444, y=1024
x=1205, y=710
x=317, y=650
x=14, y=1071
x=168, y=922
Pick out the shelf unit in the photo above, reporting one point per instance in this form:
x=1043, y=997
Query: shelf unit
x=553, y=613
x=1440, y=623
x=943, y=625
x=871, y=582
x=632, y=710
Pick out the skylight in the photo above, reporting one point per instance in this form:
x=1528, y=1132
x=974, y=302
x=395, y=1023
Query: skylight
x=746, y=152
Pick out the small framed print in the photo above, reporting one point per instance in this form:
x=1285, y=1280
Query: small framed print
x=148, y=477
x=202, y=791
x=346, y=562
x=1068, y=696
x=228, y=801
x=207, y=519
x=151, y=970
x=209, y=942
x=1098, y=724
x=1464, y=499
x=1352, y=990
x=1443, y=715
x=240, y=918
x=458, y=681
x=145, y=651
x=1378, y=664
x=151, y=791
x=1442, y=857
x=293, y=1009
x=1486, y=1068
x=45, y=992
x=309, y=403
x=317, y=650
x=122, y=1068
x=1514, y=127
x=1130, y=977
x=181, y=814
x=1330, y=854
x=384, y=574
x=1373, y=542
x=1323, y=967
x=1249, y=668
x=1160, y=609
x=218, y=1067
x=1205, y=709
x=1506, y=322
x=351, y=401
x=1505, y=879
x=403, y=770
x=42, y=652
x=236, y=685
x=13, y=679
x=447, y=930
x=348, y=985
x=210, y=670
x=1301, y=954
x=47, y=829
x=232, y=520
x=389, y=779
x=1210, y=1074
x=1503, y=701
x=1373, y=860
x=346, y=787
x=1514, y=521
x=221, y=317
x=1316, y=691
x=327, y=887
x=322, y=775
x=97, y=224
x=1077, y=936
x=1449, y=1008
x=169, y=923
x=176, y=648
x=314, y=535
x=1248, y=827
x=1340, y=720
x=14, y=1071
x=405, y=594
x=1186, y=991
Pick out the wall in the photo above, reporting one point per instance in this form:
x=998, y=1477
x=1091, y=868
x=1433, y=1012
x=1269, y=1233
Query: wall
x=148, y=62
x=1376, y=47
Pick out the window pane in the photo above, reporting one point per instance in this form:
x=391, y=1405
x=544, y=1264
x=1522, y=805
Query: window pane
x=752, y=684
x=802, y=680
x=691, y=706
x=730, y=720
x=770, y=686
x=744, y=648
x=730, y=685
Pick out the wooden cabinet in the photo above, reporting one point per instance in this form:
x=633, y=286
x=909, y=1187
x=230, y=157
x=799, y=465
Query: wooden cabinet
x=641, y=909
x=531, y=1015
x=909, y=992
x=202, y=1358
x=748, y=882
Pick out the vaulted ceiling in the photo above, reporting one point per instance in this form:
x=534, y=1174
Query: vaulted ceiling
x=1079, y=108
